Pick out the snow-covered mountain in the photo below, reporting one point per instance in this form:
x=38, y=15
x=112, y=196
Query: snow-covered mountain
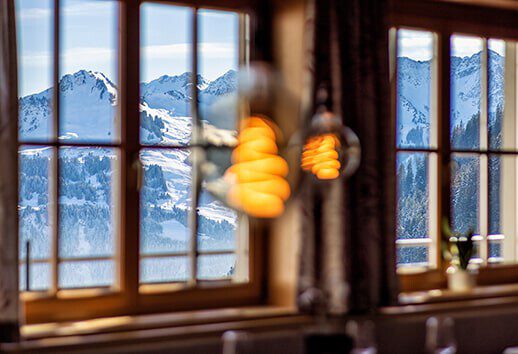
x=86, y=202
x=414, y=94
x=82, y=94
x=172, y=93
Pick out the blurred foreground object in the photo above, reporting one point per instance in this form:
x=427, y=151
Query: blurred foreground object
x=236, y=342
x=257, y=177
x=363, y=334
x=440, y=335
x=331, y=150
x=320, y=156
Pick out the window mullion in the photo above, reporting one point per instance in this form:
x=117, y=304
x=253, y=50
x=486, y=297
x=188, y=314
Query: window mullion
x=243, y=226
x=509, y=169
x=483, y=160
x=130, y=163
x=443, y=132
x=433, y=163
x=54, y=187
x=195, y=156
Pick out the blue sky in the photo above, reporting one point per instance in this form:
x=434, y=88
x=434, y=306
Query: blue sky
x=89, y=40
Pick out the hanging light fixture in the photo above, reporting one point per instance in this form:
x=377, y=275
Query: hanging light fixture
x=256, y=180
x=330, y=150
x=257, y=177
x=259, y=174
x=320, y=156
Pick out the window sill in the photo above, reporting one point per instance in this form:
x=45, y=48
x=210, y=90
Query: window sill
x=125, y=330
x=444, y=299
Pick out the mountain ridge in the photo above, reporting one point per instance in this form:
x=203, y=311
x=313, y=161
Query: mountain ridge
x=414, y=94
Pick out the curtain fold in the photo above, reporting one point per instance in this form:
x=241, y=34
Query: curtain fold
x=9, y=312
x=348, y=228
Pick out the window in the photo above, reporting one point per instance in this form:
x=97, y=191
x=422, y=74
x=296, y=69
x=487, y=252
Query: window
x=102, y=184
x=456, y=157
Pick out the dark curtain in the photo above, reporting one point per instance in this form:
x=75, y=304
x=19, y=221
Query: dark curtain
x=348, y=227
x=9, y=315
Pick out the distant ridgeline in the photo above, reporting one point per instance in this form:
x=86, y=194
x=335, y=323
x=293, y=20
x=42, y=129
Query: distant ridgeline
x=413, y=131
x=86, y=203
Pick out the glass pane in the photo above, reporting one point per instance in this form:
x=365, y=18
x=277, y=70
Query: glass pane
x=163, y=270
x=495, y=251
x=465, y=91
x=39, y=277
x=165, y=91
x=496, y=97
x=216, y=266
x=88, y=77
x=415, y=53
x=165, y=200
x=218, y=64
x=217, y=224
x=503, y=171
x=476, y=257
x=35, y=225
x=495, y=192
x=465, y=193
x=412, y=195
x=35, y=45
x=412, y=256
x=86, y=274
x=88, y=201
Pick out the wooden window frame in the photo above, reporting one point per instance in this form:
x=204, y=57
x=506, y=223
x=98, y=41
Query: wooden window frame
x=446, y=18
x=129, y=297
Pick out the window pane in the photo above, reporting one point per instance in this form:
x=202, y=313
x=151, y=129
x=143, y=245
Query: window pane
x=496, y=97
x=35, y=225
x=216, y=266
x=502, y=207
x=495, y=251
x=217, y=224
x=39, y=277
x=165, y=201
x=412, y=194
x=88, y=202
x=162, y=270
x=414, y=62
x=88, y=77
x=35, y=46
x=495, y=188
x=86, y=274
x=465, y=91
x=416, y=256
x=218, y=64
x=165, y=91
x=465, y=193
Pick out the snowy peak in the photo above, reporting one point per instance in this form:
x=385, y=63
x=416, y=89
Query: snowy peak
x=171, y=93
x=223, y=85
x=166, y=83
x=90, y=83
x=83, y=95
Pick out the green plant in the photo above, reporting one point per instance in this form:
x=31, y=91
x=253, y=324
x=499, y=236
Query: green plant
x=457, y=248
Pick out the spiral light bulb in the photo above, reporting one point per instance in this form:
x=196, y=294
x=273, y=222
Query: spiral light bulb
x=257, y=176
x=320, y=156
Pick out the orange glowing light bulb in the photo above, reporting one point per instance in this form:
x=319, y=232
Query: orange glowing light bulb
x=320, y=156
x=257, y=177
